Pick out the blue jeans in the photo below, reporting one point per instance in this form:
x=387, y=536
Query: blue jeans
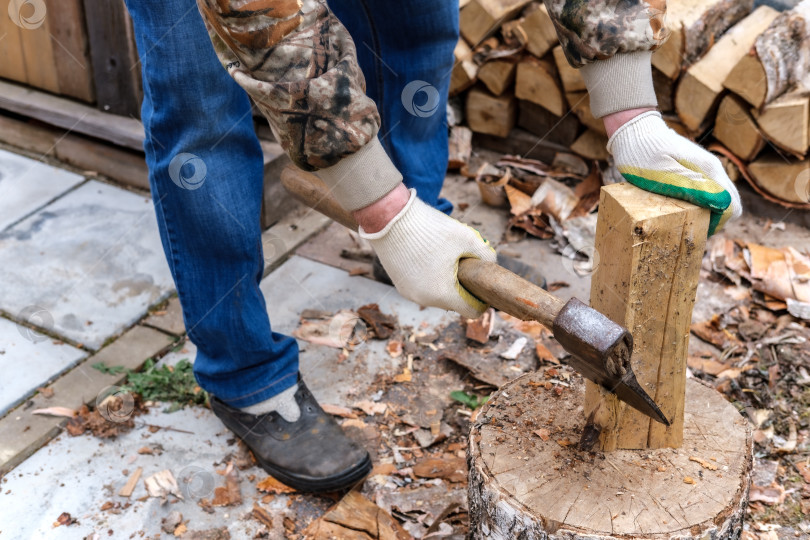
x=206, y=172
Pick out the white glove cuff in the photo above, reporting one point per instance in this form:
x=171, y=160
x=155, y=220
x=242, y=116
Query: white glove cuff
x=619, y=83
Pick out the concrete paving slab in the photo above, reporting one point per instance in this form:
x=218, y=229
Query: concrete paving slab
x=79, y=475
x=169, y=319
x=27, y=185
x=301, y=284
x=90, y=262
x=28, y=361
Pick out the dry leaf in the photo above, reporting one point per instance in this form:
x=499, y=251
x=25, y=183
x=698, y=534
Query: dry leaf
x=452, y=469
x=273, y=486
x=405, y=376
x=394, y=348
x=261, y=515
x=337, y=410
x=543, y=433
x=370, y=408
x=230, y=494
x=774, y=494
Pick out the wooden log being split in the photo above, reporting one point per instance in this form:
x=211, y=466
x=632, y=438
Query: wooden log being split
x=646, y=280
x=529, y=478
x=779, y=60
x=786, y=122
x=736, y=129
x=493, y=115
x=695, y=25
x=698, y=93
x=480, y=18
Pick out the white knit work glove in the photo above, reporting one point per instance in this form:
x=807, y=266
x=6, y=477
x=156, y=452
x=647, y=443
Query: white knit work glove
x=650, y=155
x=420, y=249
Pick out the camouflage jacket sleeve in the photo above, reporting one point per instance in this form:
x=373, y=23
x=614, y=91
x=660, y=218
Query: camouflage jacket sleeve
x=592, y=30
x=299, y=64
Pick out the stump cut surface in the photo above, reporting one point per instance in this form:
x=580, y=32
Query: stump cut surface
x=529, y=480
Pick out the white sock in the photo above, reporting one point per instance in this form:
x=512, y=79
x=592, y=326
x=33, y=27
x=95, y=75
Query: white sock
x=284, y=404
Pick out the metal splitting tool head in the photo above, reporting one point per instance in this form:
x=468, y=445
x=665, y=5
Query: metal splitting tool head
x=601, y=351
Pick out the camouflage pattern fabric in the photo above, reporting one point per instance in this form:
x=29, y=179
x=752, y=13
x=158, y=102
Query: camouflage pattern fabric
x=299, y=64
x=591, y=30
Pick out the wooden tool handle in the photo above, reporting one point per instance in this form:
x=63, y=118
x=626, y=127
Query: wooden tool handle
x=489, y=282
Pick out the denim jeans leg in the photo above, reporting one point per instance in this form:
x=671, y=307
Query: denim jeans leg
x=206, y=175
x=405, y=50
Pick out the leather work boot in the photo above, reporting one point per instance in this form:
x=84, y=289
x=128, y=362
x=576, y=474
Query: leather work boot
x=310, y=454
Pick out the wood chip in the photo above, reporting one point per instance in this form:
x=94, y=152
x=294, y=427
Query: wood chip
x=689, y=480
x=354, y=516
x=405, y=376
x=481, y=328
x=230, y=494
x=161, y=484
x=394, y=348
x=261, y=515
x=132, y=481
x=55, y=411
x=703, y=463
x=543, y=433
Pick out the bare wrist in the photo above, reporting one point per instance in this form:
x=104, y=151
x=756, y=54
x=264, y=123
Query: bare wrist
x=616, y=120
x=374, y=217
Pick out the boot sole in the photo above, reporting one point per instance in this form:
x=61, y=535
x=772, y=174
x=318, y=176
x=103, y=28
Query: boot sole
x=338, y=482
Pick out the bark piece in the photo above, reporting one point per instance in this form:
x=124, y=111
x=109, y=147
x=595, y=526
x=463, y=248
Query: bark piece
x=695, y=25
x=649, y=250
x=700, y=88
x=522, y=486
x=460, y=147
x=355, y=517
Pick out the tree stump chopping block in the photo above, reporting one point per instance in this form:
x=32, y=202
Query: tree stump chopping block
x=529, y=480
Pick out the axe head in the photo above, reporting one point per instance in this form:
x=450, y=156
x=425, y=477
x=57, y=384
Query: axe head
x=601, y=351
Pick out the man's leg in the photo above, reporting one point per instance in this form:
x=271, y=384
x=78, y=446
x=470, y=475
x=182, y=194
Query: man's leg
x=205, y=172
x=206, y=175
x=405, y=50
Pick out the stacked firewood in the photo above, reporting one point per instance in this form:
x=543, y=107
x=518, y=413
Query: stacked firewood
x=730, y=77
